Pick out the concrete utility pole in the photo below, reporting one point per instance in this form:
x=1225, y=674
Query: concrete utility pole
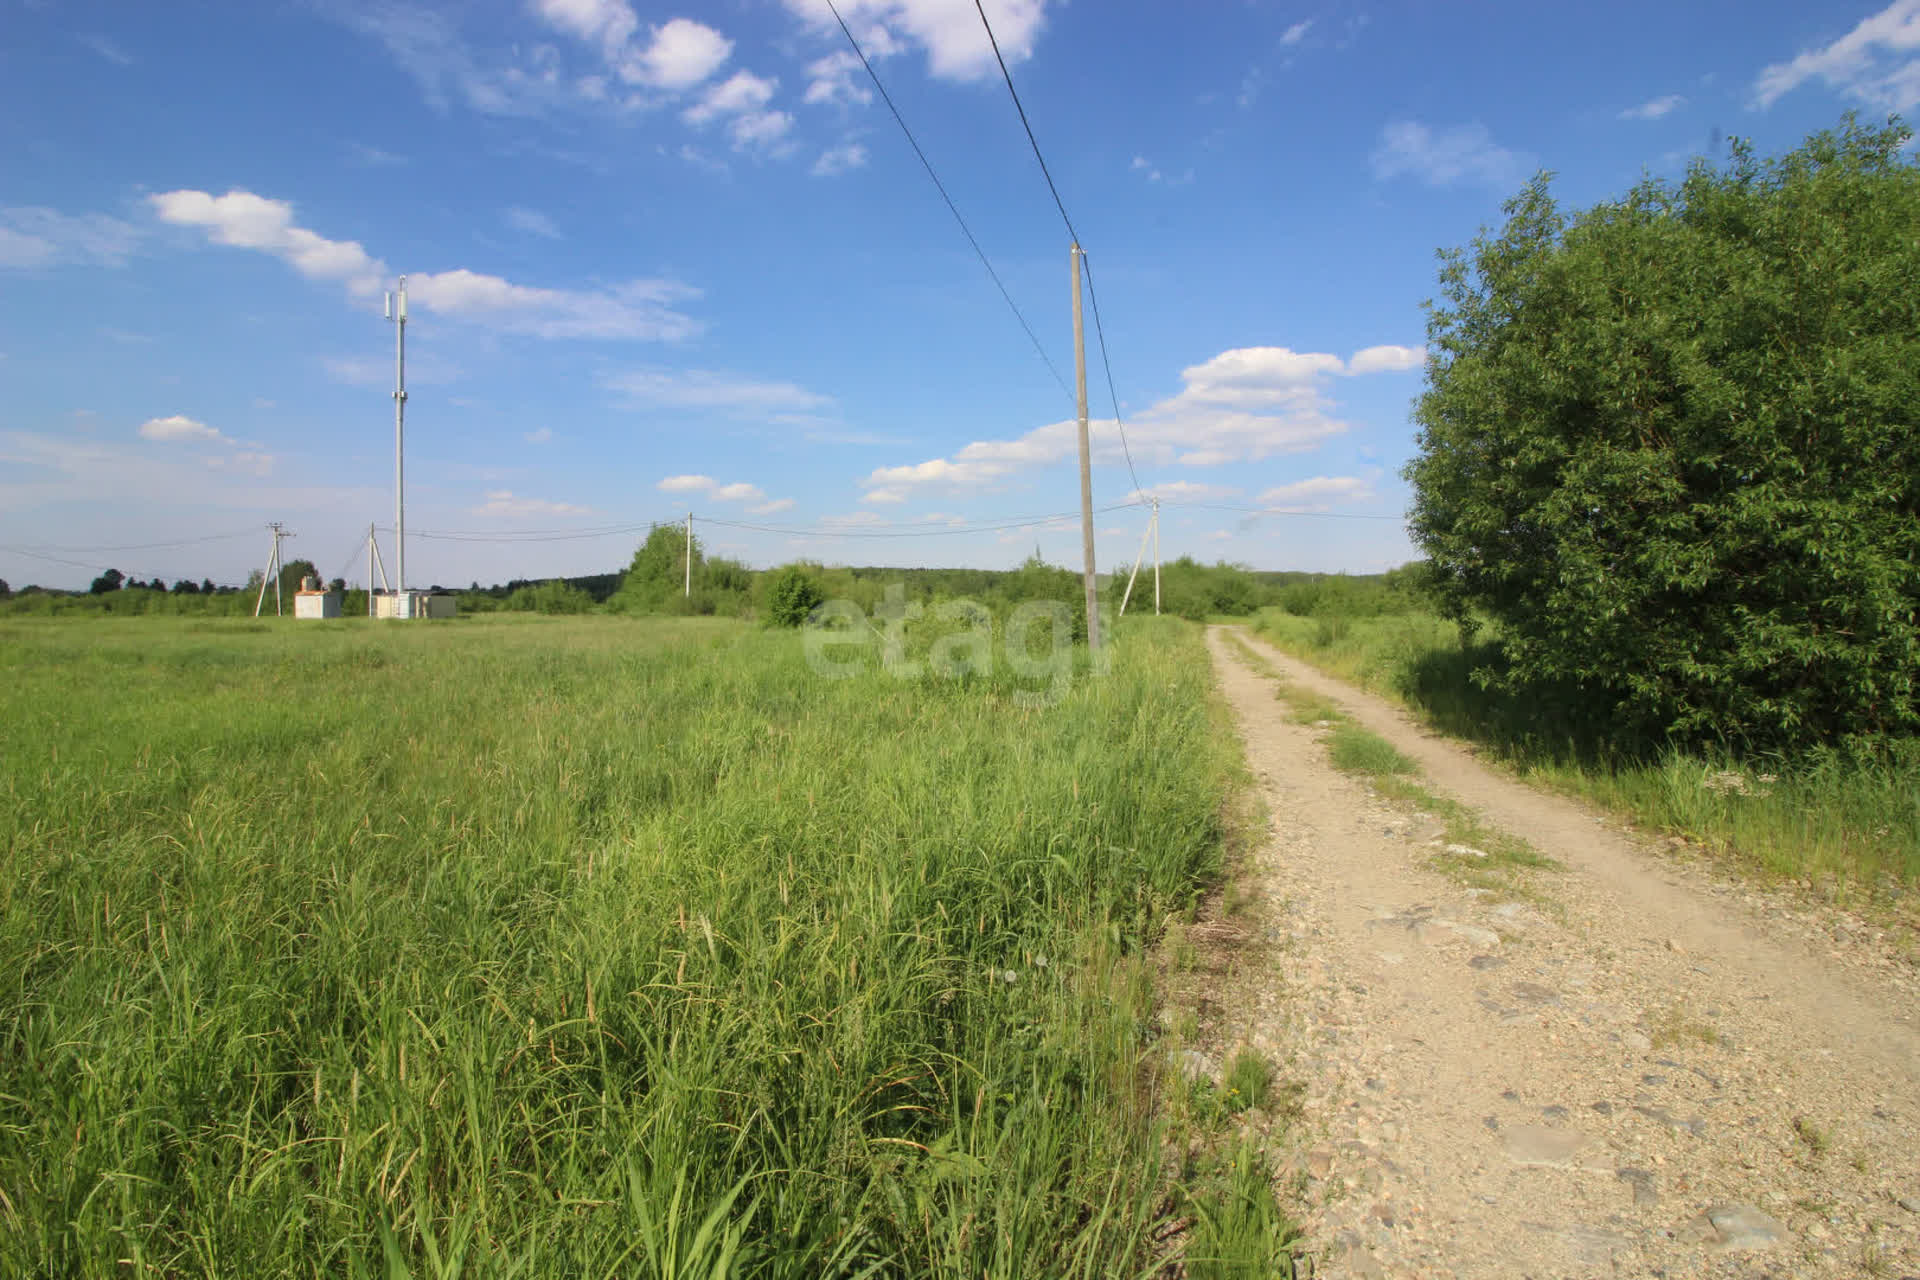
x=689, y=591
x=397, y=312
x=272, y=571
x=1156, y=557
x=1086, y=456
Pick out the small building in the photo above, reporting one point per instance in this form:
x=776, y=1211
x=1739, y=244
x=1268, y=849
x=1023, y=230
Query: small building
x=413, y=604
x=311, y=601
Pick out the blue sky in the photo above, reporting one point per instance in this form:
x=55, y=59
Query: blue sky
x=673, y=257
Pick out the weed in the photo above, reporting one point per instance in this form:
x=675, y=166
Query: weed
x=1248, y=1080
x=1817, y=1141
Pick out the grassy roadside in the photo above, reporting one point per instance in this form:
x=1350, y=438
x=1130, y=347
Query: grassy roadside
x=1848, y=828
x=596, y=947
x=1468, y=848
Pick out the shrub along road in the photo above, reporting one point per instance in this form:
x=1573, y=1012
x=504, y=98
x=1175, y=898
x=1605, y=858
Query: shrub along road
x=1607, y=1064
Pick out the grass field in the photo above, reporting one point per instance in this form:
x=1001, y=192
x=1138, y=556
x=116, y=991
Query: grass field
x=594, y=948
x=1847, y=823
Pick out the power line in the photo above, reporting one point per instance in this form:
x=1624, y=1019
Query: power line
x=951, y=206
x=146, y=546
x=1008, y=77
x=1098, y=328
x=1278, y=511
x=1024, y=522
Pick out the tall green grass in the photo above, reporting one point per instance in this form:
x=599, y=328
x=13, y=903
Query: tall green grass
x=583, y=948
x=1847, y=821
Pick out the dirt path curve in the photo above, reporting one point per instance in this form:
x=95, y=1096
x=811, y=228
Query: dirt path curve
x=1628, y=1077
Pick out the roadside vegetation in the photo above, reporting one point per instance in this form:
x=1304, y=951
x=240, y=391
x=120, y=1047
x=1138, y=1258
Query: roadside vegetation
x=599, y=947
x=1669, y=490
x=1467, y=847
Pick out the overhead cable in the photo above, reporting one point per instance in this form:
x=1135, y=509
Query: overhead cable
x=951, y=206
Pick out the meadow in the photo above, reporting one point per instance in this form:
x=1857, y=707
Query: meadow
x=598, y=947
x=1844, y=821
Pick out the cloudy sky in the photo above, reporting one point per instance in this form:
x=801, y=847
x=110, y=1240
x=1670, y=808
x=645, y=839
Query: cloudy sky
x=671, y=257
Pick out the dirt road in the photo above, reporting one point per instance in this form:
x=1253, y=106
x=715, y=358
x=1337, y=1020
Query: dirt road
x=1631, y=1073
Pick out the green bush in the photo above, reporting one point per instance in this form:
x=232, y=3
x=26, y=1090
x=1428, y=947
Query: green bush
x=1669, y=444
x=794, y=594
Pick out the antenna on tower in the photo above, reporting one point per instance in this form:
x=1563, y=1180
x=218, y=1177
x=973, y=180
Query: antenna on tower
x=397, y=312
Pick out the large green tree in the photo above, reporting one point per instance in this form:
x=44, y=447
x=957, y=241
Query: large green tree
x=1669, y=444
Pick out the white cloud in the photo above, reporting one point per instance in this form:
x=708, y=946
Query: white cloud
x=740, y=491
x=676, y=55
x=759, y=128
x=373, y=157
x=504, y=502
x=245, y=462
x=178, y=428
x=107, y=49
x=680, y=54
x=533, y=222
x=638, y=309
x=1242, y=405
x=1184, y=491
x=1318, y=491
x=1874, y=63
x=685, y=484
x=884, y=497
x=741, y=92
x=541, y=436
x=1655, y=108
x=838, y=160
x=1408, y=148
x=832, y=80
x=1387, y=359
x=709, y=389
x=772, y=508
x=1297, y=32
x=247, y=221
x=31, y=236
x=949, y=31
x=855, y=520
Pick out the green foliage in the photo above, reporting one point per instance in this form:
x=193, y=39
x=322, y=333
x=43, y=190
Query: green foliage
x=794, y=594
x=1669, y=444
x=1189, y=589
x=549, y=597
x=1848, y=820
x=589, y=947
x=108, y=581
x=656, y=580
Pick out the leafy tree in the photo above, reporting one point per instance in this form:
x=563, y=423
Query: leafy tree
x=206, y=587
x=338, y=586
x=4, y=590
x=794, y=595
x=1669, y=443
x=656, y=576
x=291, y=572
x=186, y=587
x=108, y=581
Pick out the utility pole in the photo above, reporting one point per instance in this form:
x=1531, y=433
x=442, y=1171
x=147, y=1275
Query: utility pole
x=397, y=312
x=1156, y=557
x=1153, y=524
x=1086, y=456
x=271, y=571
x=689, y=592
x=374, y=561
